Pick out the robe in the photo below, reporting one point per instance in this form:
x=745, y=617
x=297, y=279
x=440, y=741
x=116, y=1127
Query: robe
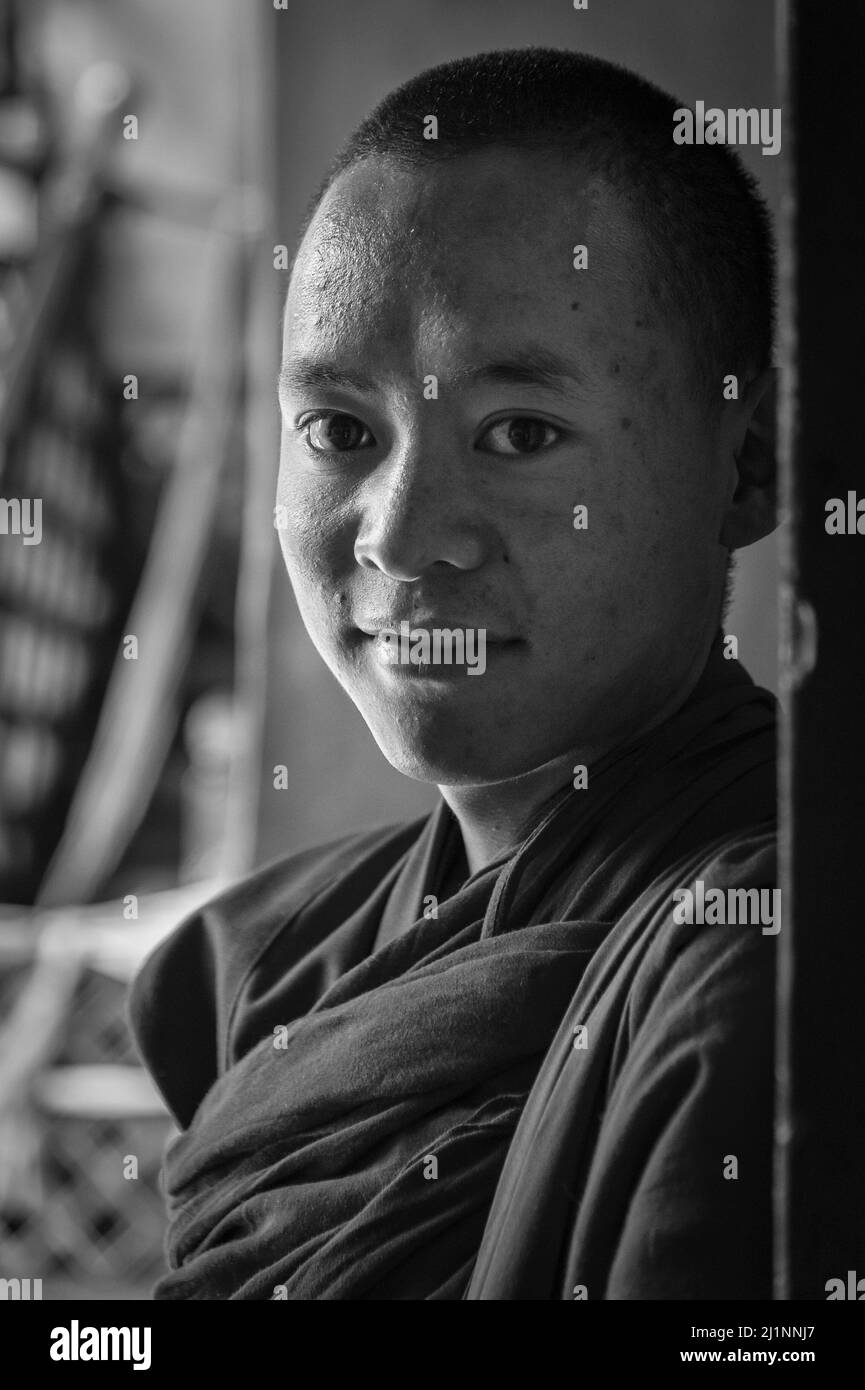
x=542, y=1086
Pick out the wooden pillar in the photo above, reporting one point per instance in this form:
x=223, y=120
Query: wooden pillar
x=820, y=1197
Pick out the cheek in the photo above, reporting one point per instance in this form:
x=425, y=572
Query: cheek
x=660, y=462
x=597, y=570
x=311, y=549
x=312, y=528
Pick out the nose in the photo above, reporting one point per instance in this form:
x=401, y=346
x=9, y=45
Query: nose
x=417, y=510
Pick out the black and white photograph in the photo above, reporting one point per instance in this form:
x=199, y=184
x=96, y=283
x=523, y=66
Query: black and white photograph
x=432, y=645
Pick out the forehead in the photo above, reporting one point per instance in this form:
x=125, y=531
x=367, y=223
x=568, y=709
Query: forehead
x=465, y=251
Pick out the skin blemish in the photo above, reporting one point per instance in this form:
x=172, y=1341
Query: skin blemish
x=625, y=422
x=575, y=304
x=615, y=368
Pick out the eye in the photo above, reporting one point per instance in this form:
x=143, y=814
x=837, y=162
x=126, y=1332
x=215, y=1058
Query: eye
x=519, y=434
x=331, y=432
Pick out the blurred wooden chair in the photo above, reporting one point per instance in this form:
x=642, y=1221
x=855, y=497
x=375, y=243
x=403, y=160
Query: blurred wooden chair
x=82, y=1127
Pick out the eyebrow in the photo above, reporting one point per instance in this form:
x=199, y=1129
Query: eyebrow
x=307, y=373
x=532, y=365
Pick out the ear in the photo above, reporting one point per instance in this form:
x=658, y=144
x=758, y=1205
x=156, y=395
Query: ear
x=751, y=513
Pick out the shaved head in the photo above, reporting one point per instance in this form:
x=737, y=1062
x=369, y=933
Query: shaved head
x=452, y=391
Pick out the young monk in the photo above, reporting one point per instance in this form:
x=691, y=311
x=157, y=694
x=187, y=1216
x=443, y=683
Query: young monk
x=523, y=1048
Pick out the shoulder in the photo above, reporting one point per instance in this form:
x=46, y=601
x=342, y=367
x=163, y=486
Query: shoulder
x=691, y=1091
x=721, y=917
x=182, y=997
x=702, y=960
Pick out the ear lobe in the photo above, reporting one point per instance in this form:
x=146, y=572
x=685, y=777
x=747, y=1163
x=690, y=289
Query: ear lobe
x=752, y=513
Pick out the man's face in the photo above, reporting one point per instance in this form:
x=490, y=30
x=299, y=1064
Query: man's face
x=451, y=504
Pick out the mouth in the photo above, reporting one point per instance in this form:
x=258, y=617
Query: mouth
x=435, y=650
x=407, y=628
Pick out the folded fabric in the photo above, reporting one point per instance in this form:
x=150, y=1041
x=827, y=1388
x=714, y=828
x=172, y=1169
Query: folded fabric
x=534, y=1093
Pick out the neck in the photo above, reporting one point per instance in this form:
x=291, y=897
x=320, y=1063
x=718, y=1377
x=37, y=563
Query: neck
x=495, y=817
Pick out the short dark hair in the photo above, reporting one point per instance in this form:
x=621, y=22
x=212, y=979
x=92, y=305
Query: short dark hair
x=707, y=232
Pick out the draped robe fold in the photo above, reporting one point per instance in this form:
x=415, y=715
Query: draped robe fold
x=545, y=1088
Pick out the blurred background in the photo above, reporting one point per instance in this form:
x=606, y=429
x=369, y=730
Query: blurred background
x=155, y=156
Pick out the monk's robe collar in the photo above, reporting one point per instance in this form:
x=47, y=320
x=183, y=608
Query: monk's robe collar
x=567, y=814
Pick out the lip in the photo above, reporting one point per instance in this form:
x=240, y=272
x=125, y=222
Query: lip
x=441, y=673
x=375, y=627
x=394, y=663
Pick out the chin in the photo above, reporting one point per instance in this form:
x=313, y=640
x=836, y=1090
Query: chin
x=440, y=771
x=448, y=757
